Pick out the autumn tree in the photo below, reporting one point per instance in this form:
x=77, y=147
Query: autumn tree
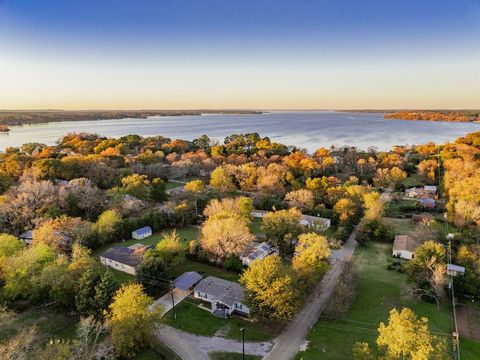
x=170, y=249
x=108, y=225
x=345, y=209
x=301, y=199
x=221, y=180
x=404, y=337
x=9, y=245
x=270, y=288
x=309, y=261
x=427, y=169
x=195, y=189
x=130, y=320
x=374, y=206
x=222, y=236
x=282, y=228
x=241, y=206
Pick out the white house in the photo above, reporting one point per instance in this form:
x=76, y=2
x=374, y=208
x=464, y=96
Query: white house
x=404, y=247
x=225, y=297
x=430, y=189
x=257, y=251
x=123, y=258
x=315, y=222
x=142, y=233
x=258, y=213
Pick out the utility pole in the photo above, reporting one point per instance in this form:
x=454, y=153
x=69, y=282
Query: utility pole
x=173, y=301
x=243, y=343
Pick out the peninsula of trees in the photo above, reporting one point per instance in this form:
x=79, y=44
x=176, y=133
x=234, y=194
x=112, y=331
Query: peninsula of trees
x=31, y=117
x=445, y=115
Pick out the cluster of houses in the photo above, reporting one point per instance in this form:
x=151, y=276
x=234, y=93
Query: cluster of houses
x=426, y=195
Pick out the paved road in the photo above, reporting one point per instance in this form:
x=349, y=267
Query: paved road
x=288, y=343
x=193, y=347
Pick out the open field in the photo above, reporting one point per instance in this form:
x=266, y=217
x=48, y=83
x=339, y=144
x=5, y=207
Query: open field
x=401, y=208
x=192, y=319
x=469, y=349
x=203, y=269
x=378, y=291
x=412, y=181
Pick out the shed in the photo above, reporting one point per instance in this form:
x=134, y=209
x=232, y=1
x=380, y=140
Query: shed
x=431, y=189
x=428, y=203
x=142, y=233
x=187, y=280
x=27, y=237
x=404, y=247
x=454, y=270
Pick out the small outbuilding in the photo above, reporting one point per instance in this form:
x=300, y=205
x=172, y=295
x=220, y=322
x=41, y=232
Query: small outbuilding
x=27, y=237
x=257, y=251
x=315, y=222
x=404, y=247
x=187, y=280
x=430, y=189
x=142, y=233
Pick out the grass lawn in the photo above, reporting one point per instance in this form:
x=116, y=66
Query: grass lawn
x=469, y=349
x=378, y=291
x=192, y=319
x=401, y=208
x=185, y=233
x=412, y=181
x=173, y=185
x=255, y=225
x=203, y=269
x=400, y=226
x=157, y=352
x=53, y=324
x=231, y=356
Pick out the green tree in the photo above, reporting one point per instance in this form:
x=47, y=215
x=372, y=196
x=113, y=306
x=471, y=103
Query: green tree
x=282, y=228
x=195, y=188
x=171, y=249
x=9, y=245
x=151, y=273
x=108, y=225
x=158, y=190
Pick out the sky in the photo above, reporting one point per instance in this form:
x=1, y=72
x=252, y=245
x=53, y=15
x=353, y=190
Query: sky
x=245, y=54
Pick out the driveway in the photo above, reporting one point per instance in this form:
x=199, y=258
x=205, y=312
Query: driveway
x=193, y=347
x=166, y=300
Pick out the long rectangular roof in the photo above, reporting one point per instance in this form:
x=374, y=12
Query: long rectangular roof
x=227, y=292
x=123, y=255
x=143, y=230
x=187, y=280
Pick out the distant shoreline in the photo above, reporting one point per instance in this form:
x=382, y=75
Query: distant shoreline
x=26, y=117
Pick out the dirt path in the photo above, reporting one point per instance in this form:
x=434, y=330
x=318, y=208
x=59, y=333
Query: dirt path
x=193, y=347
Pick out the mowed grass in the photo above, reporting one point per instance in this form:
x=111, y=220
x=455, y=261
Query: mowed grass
x=400, y=226
x=378, y=291
x=192, y=319
x=203, y=269
x=412, y=181
x=469, y=349
x=256, y=225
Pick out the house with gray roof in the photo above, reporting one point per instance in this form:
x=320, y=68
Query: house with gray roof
x=123, y=258
x=27, y=237
x=257, y=251
x=225, y=297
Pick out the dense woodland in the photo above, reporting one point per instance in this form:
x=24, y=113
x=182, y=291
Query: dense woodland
x=440, y=115
x=96, y=190
x=32, y=117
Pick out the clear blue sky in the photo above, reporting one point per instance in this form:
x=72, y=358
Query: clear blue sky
x=240, y=54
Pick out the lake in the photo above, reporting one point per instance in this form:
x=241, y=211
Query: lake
x=309, y=130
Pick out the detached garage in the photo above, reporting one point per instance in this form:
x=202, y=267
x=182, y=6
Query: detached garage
x=404, y=247
x=142, y=233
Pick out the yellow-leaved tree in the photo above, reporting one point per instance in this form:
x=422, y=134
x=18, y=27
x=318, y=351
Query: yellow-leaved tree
x=270, y=289
x=131, y=321
x=405, y=337
x=309, y=261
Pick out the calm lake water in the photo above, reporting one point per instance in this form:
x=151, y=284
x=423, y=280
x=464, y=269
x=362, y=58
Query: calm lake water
x=309, y=130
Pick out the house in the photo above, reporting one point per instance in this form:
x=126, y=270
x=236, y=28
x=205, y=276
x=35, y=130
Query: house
x=187, y=281
x=257, y=251
x=404, y=246
x=315, y=222
x=123, y=258
x=454, y=270
x=258, y=213
x=430, y=189
x=428, y=203
x=413, y=192
x=142, y=233
x=27, y=237
x=225, y=297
